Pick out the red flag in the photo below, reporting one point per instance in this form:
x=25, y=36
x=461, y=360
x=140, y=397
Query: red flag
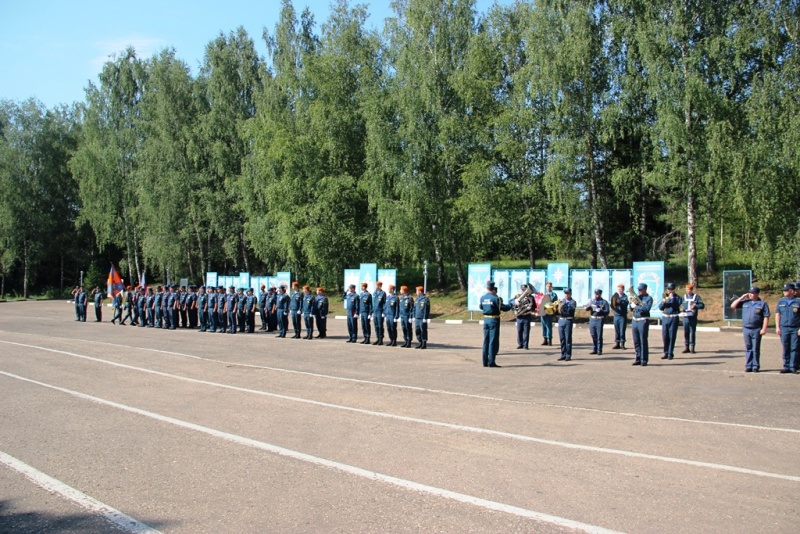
x=114, y=282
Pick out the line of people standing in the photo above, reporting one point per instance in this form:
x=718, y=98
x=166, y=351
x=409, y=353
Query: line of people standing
x=381, y=309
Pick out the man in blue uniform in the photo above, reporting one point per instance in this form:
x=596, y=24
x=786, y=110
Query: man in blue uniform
x=378, y=303
x=755, y=320
x=671, y=306
x=128, y=306
x=272, y=311
x=321, y=311
x=366, y=312
x=566, y=317
x=309, y=311
x=157, y=304
x=296, y=309
x=241, y=310
x=97, y=296
x=211, y=320
x=141, y=318
x=523, y=321
x=116, y=304
x=390, y=312
x=491, y=306
x=251, y=303
x=231, y=303
x=262, y=306
x=547, y=319
x=202, y=309
x=170, y=313
x=787, y=319
x=692, y=304
x=598, y=309
x=75, y=291
x=183, y=306
x=406, y=311
x=150, y=305
x=352, y=307
x=619, y=305
x=222, y=316
x=640, y=325
x=282, y=311
x=422, y=312
x=191, y=306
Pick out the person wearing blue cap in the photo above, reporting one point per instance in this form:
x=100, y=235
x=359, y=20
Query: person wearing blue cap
x=352, y=305
x=202, y=309
x=787, y=320
x=670, y=305
x=231, y=301
x=640, y=324
x=755, y=320
x=598, y=309
x=221, y=312
x=282, y=303
x=491, y=306
x=566, y=316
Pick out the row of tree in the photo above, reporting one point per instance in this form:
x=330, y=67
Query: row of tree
x=609, y=130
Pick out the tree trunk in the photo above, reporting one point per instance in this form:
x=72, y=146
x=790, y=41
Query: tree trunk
x=531, y=256
x=441, y=277
x=26, y=268
x=711, y=251
x=597, y=223
x=690, y=216
x=462, y=280
x=245, y=255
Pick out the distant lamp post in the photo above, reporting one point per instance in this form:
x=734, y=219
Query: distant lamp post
x=425, y=277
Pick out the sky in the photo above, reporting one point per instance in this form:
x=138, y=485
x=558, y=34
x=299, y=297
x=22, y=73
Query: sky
x=51, y=49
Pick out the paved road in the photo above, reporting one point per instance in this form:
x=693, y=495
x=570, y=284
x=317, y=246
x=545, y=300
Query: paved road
x=188, y=432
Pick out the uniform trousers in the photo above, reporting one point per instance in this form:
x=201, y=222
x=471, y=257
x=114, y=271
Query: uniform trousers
x=596, y=331
x=231, y=321
x=669, y=333
x=377, y=320
x=491, y=340
x=283, y=323
x=366, y=327
x=352, y=327
x=620, y=325
x=322, y=325
x=565, y=337
x=547, y=327
x=296, y=321
x=308, y=319
x=391, y=328
x=641, y=331
x=523, y=330
x=790, y=342
x=689, y=330
x=408, y=335
x=421, y=327
x=752, y=348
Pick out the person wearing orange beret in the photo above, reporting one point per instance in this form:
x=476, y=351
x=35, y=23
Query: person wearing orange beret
x=366, y=312
x=309, y=311
x=390, y=312
x=296, y=309
x=378, y=303
x=406, y=316
x=422, y=312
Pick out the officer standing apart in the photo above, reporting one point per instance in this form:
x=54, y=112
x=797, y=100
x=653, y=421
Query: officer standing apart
x=671, y=306
x=787, y=319
x=422, y=311
x=282, y=311
x=491, y=306
x=378, y=303
x=296, y=309
x=565, y=319
x=406, y=311
x=309, y=311
x=97, y=296
x=755, y=319
x=547, y=319
x=598, y=308
x=691, y=305
x=391, y=310
x=641, y=325
x=366, y=312
x=523, y=322
x=322, y=313
x=619, y=305
x=352, y=307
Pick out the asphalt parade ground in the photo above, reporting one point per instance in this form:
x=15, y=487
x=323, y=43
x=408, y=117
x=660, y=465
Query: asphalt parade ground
x=109, y=428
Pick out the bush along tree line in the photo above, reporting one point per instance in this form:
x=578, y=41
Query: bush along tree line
x=609, y=131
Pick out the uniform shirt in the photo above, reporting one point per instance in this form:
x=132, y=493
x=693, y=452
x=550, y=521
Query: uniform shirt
x=98, y=299
x=642, y=310
x=352, y=304
x=406, y=306
x=158, y=298
x=688, y=300
x=599, y=307
x=182, y=299
x=621, y=301
x=492, y=305
x=272, y=300
x=309, y=305
x=202, y=302
x=422, y=308
x=789, y=309
x=241, y=303
x=250, y=303
x=191, y=298
x=391, y=307
x=171, y=298
x=231, y=300
x=83, y=297
x=220, y=302
x=262, y=299
x=378, y=301
x=116, y=301
x=753, y=313
x=671, y=305
x=151, y=300
x=282, y=302
x=297, y=301
x=322, y=305
x=366, y=303
x=567, y=308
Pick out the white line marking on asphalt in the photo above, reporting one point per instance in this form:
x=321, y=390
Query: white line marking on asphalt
x=429, y=422
x=437, y=391
x=331, y=464
x=91, y=504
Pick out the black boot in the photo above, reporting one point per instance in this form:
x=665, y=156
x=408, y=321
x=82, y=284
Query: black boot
x=544, y=342
x=380, y=341
x=615, y=347
x=407, y=344
x=424, y=345
x=692, y=348
x=686, y=350
x=377, y=341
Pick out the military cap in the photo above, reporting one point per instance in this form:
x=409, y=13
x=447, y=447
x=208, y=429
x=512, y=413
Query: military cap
x=379, y=283
x=404, y=288
x=598, y=291
x=392, y=286
x=295, y=284
x=352, y=286
x=671, y=285
x=306, y=287
x=568, y=290
x=490, y=284
x=642, y=286
x=364, y=284
x=789, y=286
x=755, y=289
x=420, y=288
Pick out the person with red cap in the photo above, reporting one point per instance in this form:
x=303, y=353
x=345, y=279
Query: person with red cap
x=366, y=312
x=391, y=310
x=422, y=312
x=406, y=316
x=296, y=309
x=309, y=311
